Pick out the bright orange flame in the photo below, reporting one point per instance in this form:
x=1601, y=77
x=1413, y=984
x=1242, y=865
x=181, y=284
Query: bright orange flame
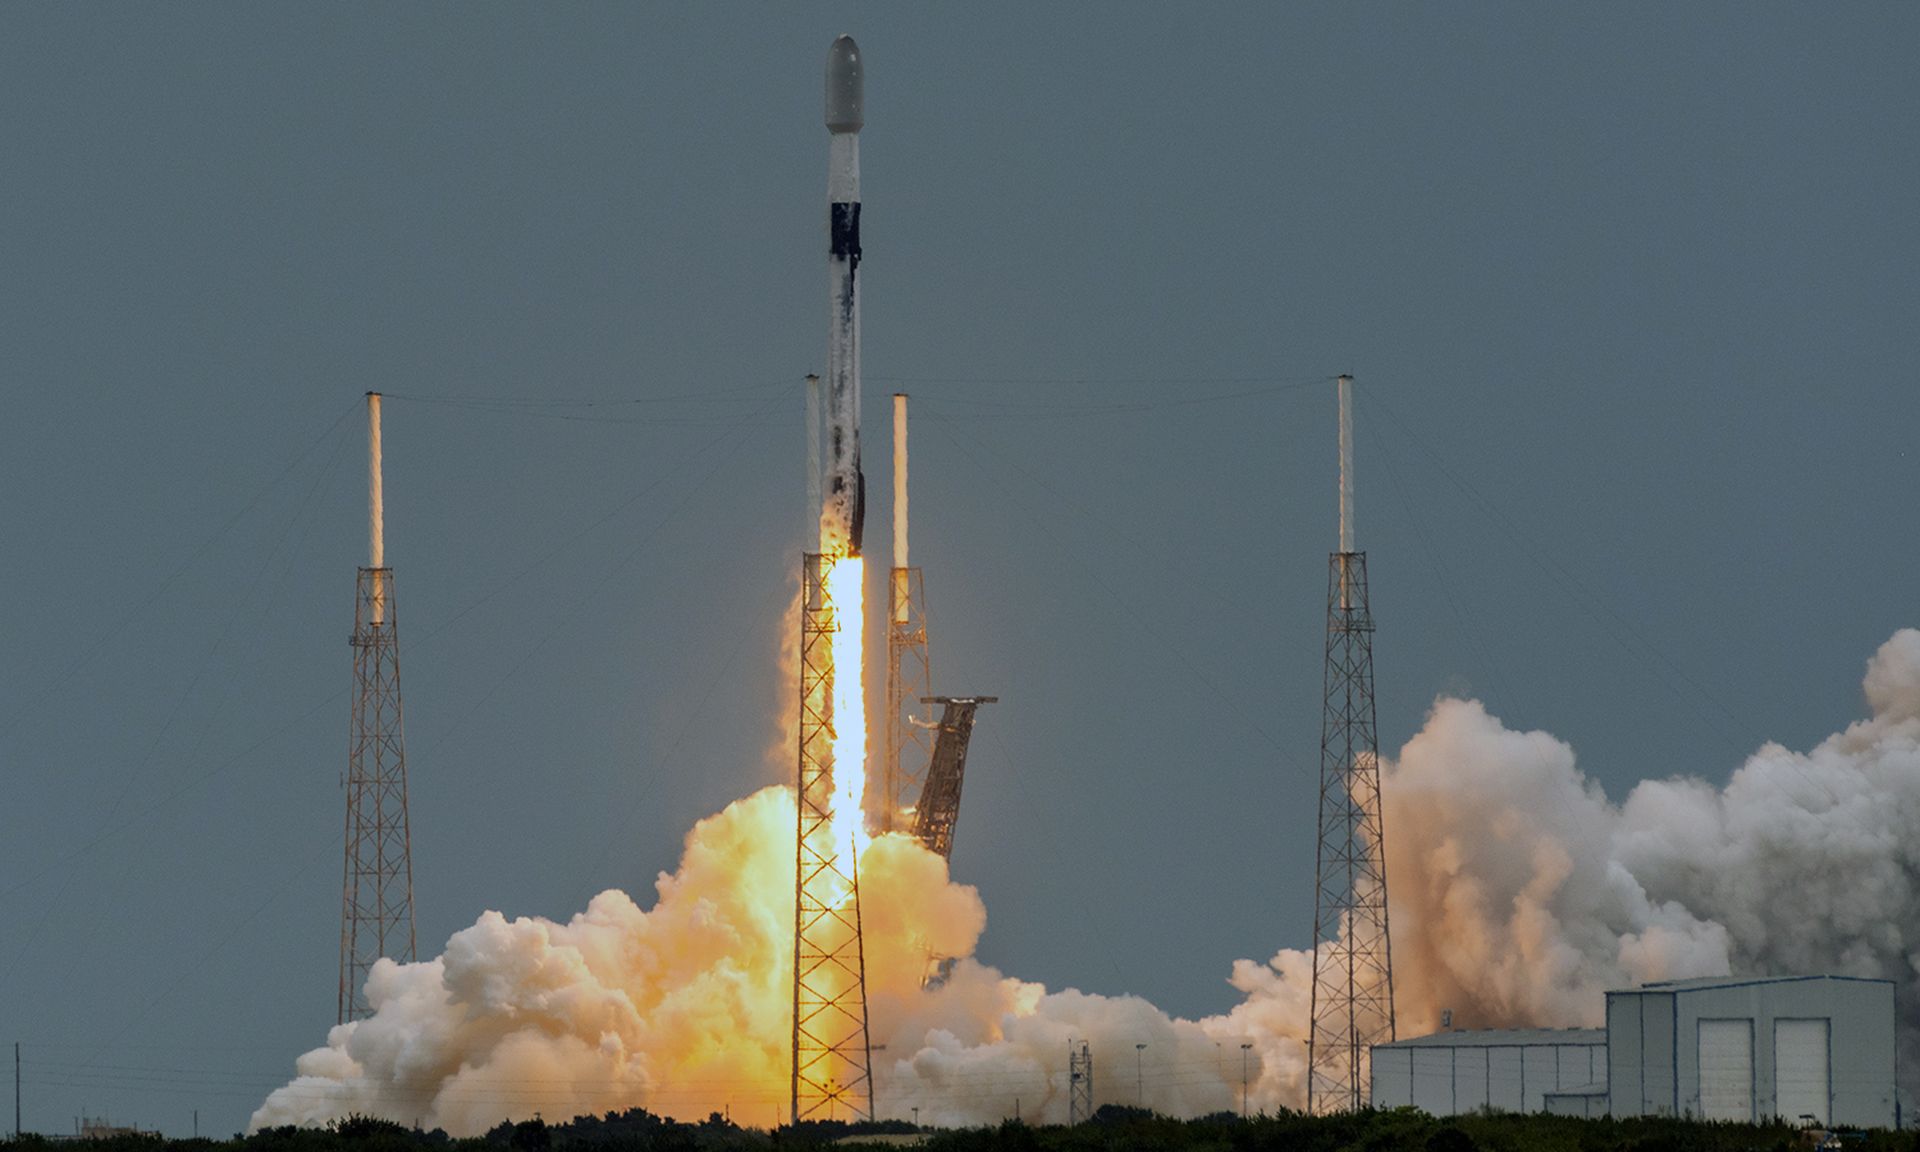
x=846, y=585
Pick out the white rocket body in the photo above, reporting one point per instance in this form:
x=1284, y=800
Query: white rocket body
x=844, y=500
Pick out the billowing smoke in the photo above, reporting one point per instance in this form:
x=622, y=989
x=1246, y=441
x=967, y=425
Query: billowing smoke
x=1520, y=893
x=684, y=1008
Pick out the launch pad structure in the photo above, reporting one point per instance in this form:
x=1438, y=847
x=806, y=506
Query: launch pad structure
x=376, y=912
x=1079, y=1084
x=909, y=669
x=1352, y=955
x=832, y=1054
x=939, y=807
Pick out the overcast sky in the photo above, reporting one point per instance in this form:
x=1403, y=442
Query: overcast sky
x=1630, y=292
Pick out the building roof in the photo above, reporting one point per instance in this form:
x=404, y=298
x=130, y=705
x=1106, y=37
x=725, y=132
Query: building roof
x=1697, y=984
x=1504, y=1038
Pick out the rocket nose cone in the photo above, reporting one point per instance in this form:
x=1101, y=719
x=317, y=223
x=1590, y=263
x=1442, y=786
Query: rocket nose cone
x=846, y=87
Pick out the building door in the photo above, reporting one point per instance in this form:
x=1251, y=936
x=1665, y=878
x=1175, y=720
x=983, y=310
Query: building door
x=1726, y=1070
x=1800, y=1069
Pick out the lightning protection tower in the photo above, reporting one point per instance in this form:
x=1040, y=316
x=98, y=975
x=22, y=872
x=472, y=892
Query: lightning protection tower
x=832, y=1056
x=1352, y=959
x=376, y=909
x=1079, y=1084
x=909, y=671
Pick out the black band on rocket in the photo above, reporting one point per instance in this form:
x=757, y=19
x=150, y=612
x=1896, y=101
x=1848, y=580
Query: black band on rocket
x=846, y=233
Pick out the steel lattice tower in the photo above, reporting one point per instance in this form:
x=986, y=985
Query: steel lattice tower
x=909, y=670
x=832, y=1055
x=1079, y=1084
x=1352, y=956
x=376, y=913
x=909, y=722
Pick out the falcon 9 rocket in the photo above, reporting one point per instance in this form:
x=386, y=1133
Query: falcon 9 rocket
x=844, y=499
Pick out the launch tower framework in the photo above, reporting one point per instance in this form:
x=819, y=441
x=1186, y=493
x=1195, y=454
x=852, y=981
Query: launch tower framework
x=376, y=903
x=376, y=916
x=1079, y=1083
x=909, y=681
x=832, y=1055
x=939, y=808
x=1352, y=957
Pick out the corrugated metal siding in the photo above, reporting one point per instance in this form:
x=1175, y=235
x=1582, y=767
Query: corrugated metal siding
x=1658, y=1042
x=1540, y=1074
x=1472, y=1076
x=1433, y=1080
x=1588, y=1105
x=1654, y=1045
x=1470, y=1079
x=1392, y=1077
x=1623, y=1053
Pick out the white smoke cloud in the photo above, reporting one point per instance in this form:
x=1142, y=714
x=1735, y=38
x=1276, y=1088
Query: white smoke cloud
x=1510, y=905
x=1520, y=894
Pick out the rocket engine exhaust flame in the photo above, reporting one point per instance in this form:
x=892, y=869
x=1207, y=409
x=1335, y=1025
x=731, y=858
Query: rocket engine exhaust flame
x=1527, y=894
x=846, y=585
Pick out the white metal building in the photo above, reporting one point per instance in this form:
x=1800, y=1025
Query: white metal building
x=1749, y=1049
x=1727, y=1048
x=1508, y=1070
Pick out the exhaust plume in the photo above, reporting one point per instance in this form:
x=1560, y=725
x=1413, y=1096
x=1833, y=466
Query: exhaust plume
x=1521, y=893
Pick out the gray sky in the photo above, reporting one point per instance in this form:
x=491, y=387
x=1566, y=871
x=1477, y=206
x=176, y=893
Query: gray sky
x=1630, y=292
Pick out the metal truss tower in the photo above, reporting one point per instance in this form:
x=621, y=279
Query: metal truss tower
x=832, y=1055
x=909, y=671
x=939, y=807
x=1079, y=1084
x=1352, y=957
x=376, y=913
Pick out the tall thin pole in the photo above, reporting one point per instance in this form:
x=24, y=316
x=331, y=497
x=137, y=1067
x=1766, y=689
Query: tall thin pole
x=376, y=508
x=1139, y=1075
x=1244, y=1049
x=1346, y=463
x=16, y=1089
x=1346, y=486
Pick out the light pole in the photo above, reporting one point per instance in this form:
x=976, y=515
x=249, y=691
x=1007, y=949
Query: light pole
x=1244, y=1049
x=1139, y=1076
x=916, y=1119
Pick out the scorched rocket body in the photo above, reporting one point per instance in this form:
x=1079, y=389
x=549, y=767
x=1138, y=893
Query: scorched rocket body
x=844, y=501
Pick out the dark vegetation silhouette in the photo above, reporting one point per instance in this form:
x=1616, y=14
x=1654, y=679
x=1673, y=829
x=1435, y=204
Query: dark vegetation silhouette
x=1113, y=1127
